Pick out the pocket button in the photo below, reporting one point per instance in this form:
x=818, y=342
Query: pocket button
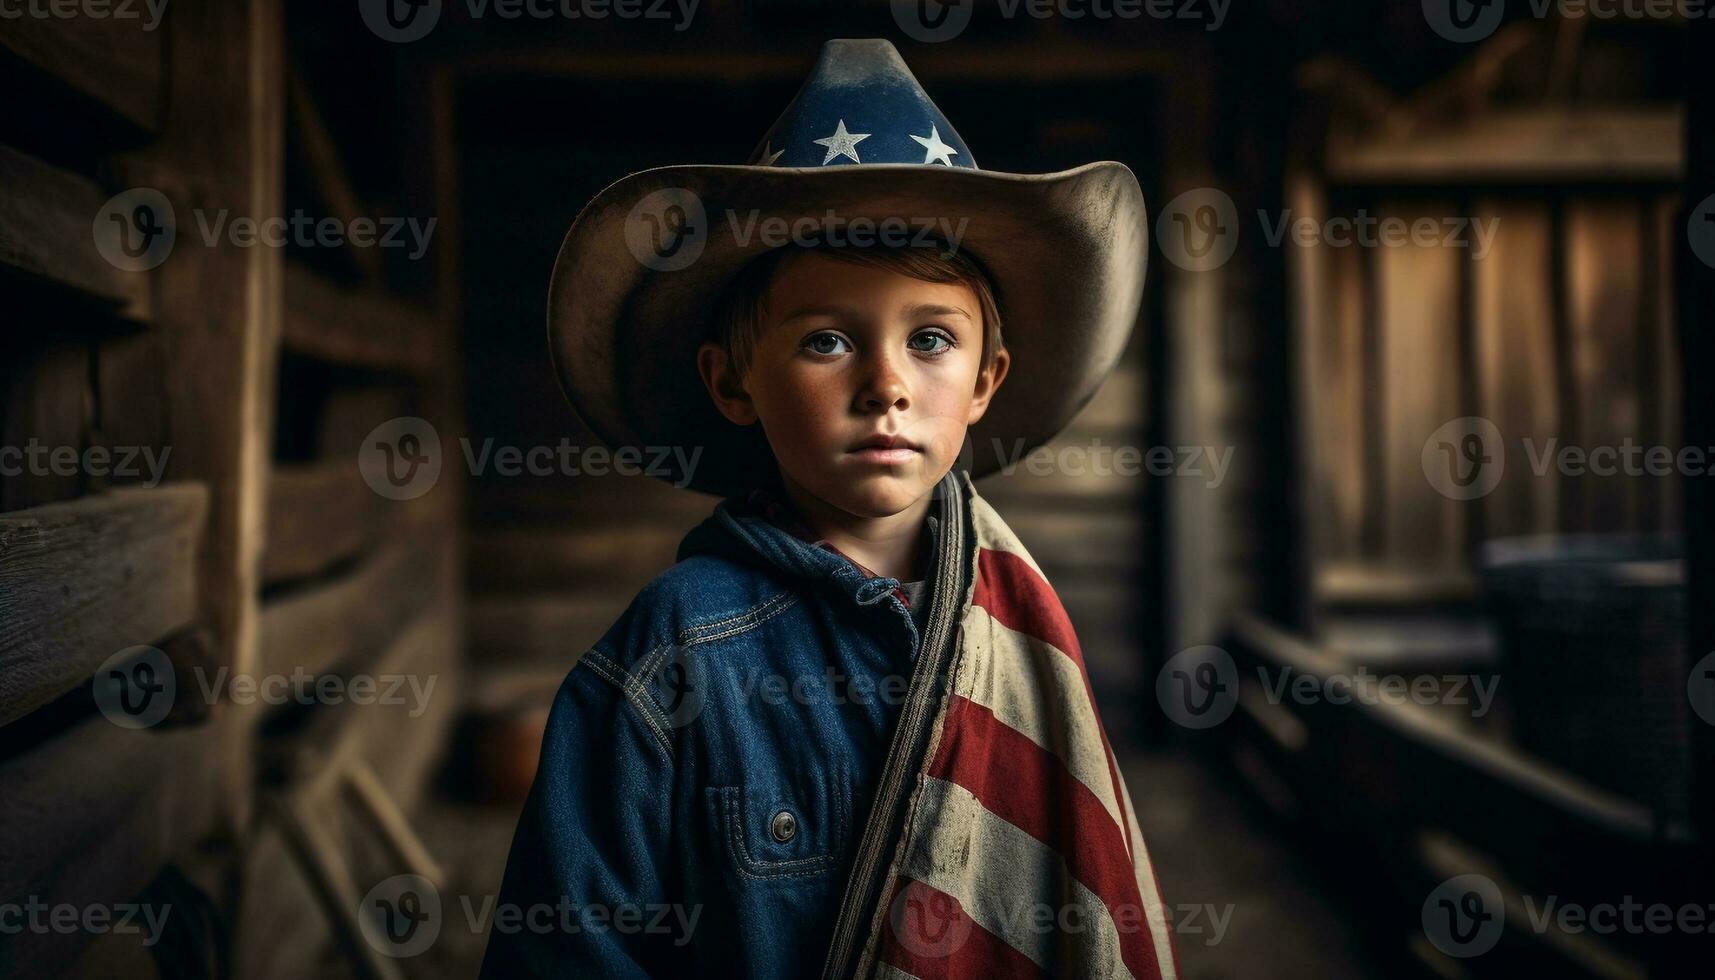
x=784, y=826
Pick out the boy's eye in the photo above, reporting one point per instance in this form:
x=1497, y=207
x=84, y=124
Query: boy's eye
x=930, y=342
x=826, y=343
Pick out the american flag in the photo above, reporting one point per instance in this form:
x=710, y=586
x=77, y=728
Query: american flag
x=1022, y=855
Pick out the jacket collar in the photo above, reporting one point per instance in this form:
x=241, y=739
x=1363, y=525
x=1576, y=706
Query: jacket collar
x=760, y=528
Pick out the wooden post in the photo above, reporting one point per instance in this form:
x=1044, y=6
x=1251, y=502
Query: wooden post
x=218, y=306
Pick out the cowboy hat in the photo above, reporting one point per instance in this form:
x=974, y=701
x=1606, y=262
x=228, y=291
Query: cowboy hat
x=860, y=155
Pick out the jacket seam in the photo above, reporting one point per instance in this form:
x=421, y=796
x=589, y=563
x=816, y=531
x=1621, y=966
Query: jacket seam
x=741, y=623
x=633, y=693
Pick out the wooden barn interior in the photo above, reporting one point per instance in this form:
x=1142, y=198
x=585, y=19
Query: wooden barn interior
x=1314, y=830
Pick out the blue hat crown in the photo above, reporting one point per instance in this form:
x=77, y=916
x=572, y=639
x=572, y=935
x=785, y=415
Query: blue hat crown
x=861, y=105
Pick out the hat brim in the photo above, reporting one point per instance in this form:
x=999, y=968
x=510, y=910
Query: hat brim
x=1066, y=252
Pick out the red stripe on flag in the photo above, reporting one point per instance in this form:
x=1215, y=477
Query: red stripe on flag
x=1023, y=601
x=929, y=935
x=1031, y=788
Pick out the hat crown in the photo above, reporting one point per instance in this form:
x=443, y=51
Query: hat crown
x=861, y=105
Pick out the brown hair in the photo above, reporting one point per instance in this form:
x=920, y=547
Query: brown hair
x=738, y=320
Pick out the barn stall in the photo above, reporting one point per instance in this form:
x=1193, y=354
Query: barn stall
x=246, y=516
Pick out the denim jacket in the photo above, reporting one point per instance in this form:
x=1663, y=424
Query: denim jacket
x=708, y=767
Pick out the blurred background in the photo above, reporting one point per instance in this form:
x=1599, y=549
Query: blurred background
x=1388, y=543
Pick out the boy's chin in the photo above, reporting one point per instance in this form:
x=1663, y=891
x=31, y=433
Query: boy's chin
x=881, y=495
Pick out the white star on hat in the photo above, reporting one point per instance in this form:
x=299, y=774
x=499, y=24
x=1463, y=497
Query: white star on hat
x=767, y=159
x=841, y=144
x=938, y=152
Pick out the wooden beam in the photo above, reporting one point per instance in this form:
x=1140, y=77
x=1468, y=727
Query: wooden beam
x=399, y=738
x=1423, y=772
x=610, y=557
x=1532, y=146
x=355, y=615
x=46, y=216
x=94, y=814
x=218, y=306
x=114, y=63
x=356, y=327
x=319, y=514
x=82, y=581
x=327, y=172
x=553, y=629
x=1056, y=62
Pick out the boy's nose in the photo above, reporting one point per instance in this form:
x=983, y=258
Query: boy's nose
x=884, y=389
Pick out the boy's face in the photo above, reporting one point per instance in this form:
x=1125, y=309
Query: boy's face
x=849, y=356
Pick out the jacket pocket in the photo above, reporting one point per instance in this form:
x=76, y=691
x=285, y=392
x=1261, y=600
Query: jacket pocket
x=773, y=827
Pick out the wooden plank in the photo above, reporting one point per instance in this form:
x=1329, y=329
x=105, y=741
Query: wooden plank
x=46, y=216
x=48, y=404
x=278, y=929
x=1109, y=539
x=1361, y=584
x=131, y=379
x=1330, y=321
x=1531, y=146
x=1514, y=313
x=114, y=62
x=400, y=739
x=1604, y=332
x=307, y=826
x=1419, y=327
x=354, y=616
x=399, y=747
x=99, y=810
x=218, y=308
x=326, y=170
x=541, y=630
x=355, y=327
x=617, y=557
x=1669, y=423
x=349, y=414
x=583, y=500
x=1427, y=773
x=1089, y=466
x=319, y=514
x=82, y=581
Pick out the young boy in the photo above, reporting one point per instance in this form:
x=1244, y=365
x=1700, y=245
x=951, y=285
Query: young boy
x=849, y=733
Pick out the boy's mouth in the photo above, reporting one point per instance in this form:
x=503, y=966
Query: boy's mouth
x=884, y=448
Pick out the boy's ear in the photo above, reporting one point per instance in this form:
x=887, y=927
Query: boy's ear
x=724, y=386
x=988, y=382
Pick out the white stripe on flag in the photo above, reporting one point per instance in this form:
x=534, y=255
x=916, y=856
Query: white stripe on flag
x=1038, y=691
x=993, y=534
x=1012, y=885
